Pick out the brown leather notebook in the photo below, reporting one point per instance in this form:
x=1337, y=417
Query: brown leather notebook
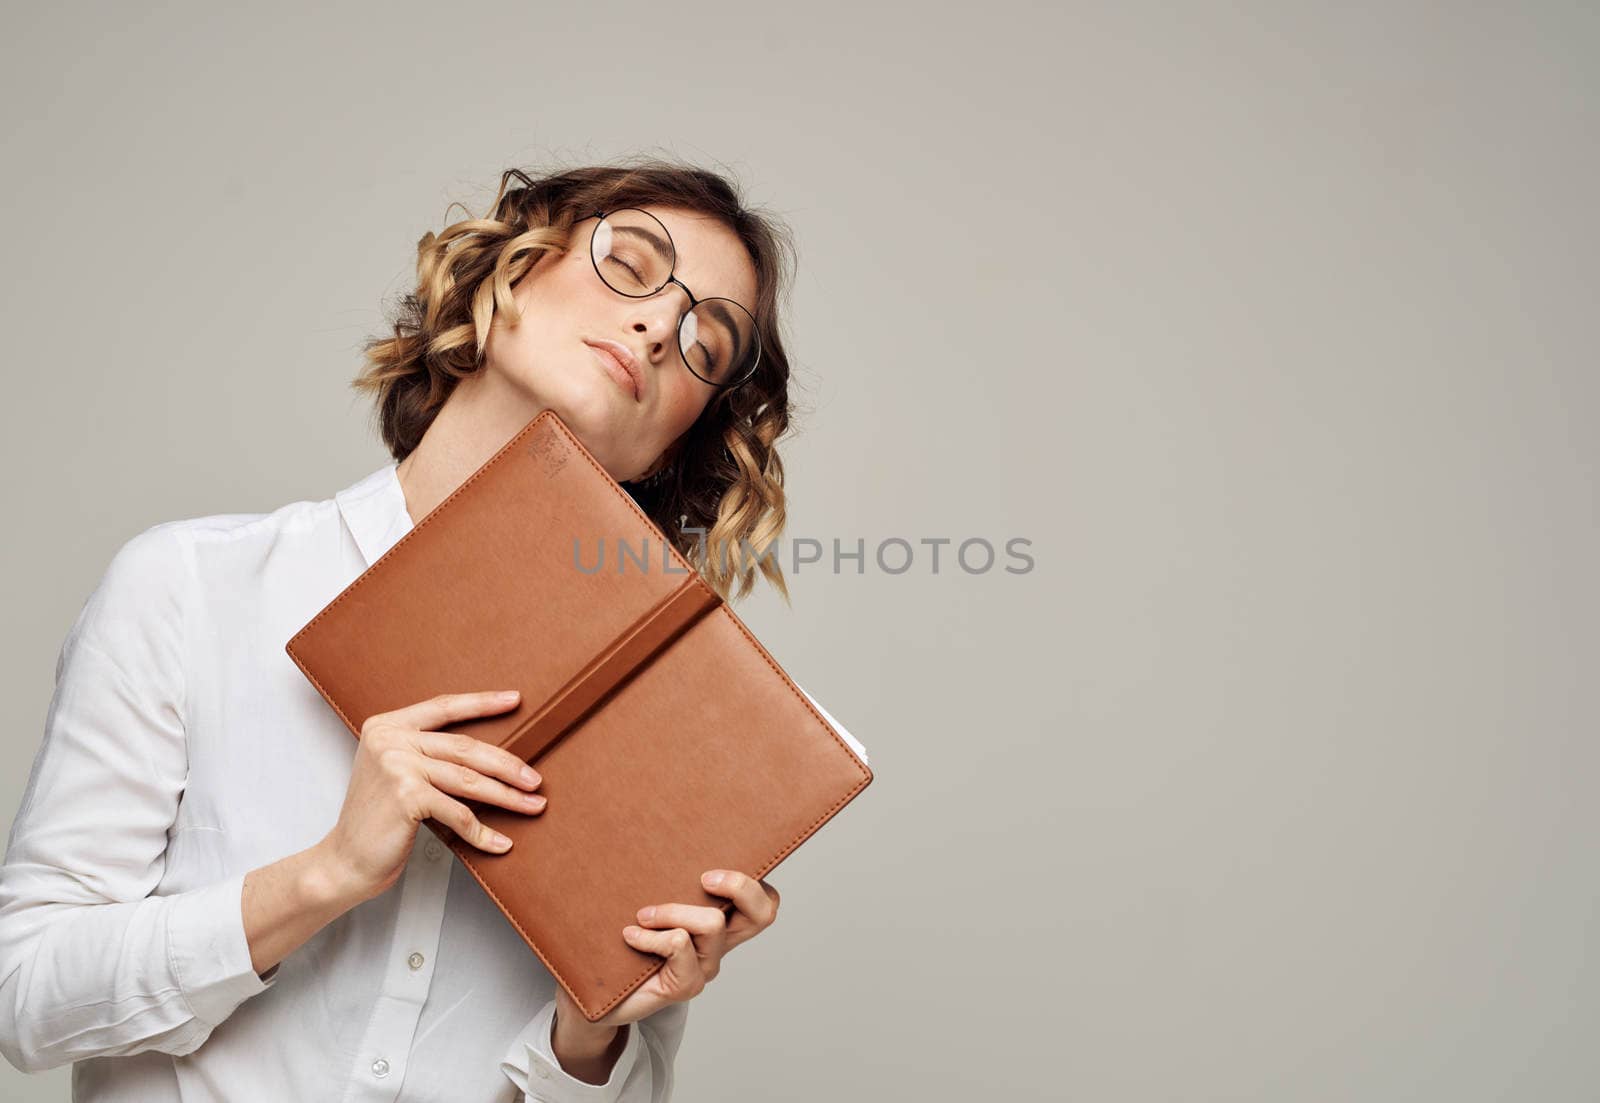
x=669, y=741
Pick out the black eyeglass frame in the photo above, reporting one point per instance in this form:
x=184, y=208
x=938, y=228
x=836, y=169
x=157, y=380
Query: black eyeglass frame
x=755, y=331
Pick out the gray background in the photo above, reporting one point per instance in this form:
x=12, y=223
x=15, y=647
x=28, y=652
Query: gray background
x=1270, y=325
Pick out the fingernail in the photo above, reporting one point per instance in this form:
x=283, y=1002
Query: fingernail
x=529, y=777
x=646, y=914
x=631, y=931
x=506, y=694
x=713, y=880
x=498, y=839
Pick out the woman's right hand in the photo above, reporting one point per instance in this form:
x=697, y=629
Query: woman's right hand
x=406, y=772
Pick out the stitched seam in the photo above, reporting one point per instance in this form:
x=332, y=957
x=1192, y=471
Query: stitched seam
x=172, y=963
x=54, y=1016
x=505, y=450
x=467, y=858
x=186, y=648
x=463, y=849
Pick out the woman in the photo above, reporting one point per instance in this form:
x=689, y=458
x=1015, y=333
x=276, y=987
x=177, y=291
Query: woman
x=152, y=929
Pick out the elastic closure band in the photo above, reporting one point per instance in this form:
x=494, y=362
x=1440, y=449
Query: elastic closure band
x=613, y=666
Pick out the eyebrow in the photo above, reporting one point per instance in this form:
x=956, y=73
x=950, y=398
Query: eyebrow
x=725, y=316
x=659, y=246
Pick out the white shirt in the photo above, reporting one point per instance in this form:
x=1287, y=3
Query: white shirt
x=182, y=749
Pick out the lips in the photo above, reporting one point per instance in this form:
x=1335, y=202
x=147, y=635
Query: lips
x=620, y=365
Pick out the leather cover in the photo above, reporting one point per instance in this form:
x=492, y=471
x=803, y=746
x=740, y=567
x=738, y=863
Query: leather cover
x=668, y=739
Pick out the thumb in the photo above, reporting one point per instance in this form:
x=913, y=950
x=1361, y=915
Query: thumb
x=681, y=978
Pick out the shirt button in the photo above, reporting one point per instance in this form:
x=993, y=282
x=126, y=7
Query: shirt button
x=542, y=1069
x=380, y=1068
x=433, y=850
x=415, y=961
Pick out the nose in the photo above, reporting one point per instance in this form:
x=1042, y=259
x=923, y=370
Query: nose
x=657, y=317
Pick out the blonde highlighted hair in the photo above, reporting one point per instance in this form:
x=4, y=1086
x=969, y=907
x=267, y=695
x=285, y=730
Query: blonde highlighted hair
x=725, y=478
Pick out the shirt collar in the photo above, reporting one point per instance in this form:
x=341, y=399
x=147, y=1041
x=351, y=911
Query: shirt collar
x=374, y=510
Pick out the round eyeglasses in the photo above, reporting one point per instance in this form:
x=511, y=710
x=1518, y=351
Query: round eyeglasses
x=634, y=256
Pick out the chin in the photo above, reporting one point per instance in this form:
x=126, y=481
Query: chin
x=586, y=401
x=578, y=401
x=593, y=406
x=592, y=413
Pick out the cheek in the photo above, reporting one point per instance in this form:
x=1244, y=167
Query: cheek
x=556, y=287
x=684, y=399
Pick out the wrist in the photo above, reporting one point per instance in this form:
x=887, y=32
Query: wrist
x=326, y=884
x=286, y=902
x=576, y=1040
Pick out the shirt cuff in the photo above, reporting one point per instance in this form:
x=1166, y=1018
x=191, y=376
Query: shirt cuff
x=532, y=1066
x=208, y=952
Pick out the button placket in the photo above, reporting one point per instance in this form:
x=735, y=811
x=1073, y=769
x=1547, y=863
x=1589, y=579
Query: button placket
x=385, y=1048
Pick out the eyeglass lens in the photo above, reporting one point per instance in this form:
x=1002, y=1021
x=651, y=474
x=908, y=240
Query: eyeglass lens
x=634, y=255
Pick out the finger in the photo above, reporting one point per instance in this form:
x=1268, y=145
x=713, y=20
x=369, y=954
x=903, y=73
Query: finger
x=755, y=900
x=694, y=918
x=483, y=757
x=755, y=903
x=459, y=818
x=447, y=708
x=681, y=977
x=708, y=926
x=464, y=781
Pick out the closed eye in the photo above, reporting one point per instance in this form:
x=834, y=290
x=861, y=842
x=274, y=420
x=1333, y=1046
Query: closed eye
x=634, y=272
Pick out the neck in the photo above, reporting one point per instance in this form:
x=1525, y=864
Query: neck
x=481, y=414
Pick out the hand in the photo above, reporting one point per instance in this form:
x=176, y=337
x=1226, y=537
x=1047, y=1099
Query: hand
x=693, y=938
x=405, y=772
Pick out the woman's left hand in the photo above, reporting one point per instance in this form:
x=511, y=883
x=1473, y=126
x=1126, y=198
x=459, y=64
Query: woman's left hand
x=693, y=938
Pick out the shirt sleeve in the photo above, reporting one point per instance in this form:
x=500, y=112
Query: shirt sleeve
x=642, y=1074
x=92, y=962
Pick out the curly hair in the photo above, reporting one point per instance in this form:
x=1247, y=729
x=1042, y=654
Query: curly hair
x=722, y=493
